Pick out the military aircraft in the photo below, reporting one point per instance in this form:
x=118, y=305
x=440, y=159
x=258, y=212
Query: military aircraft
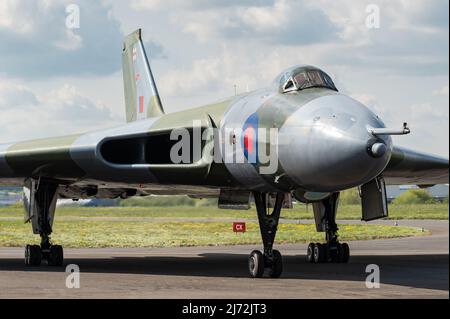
x=324, y=142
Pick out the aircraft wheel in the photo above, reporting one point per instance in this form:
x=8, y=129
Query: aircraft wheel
x=256, y=264
x=33, y=255
x=56, y=256
x=319, y=253
x=344, y=253
x=310, y=253
x=277, y=265
x=335, y=253
x=27, y=255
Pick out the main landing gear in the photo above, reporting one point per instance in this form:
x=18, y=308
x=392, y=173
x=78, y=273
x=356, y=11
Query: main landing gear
x=53, y=254
x=331, y=251
x=40, y=202
x=270, y=259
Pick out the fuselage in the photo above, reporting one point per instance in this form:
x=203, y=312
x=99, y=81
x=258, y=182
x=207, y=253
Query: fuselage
x=322, y=145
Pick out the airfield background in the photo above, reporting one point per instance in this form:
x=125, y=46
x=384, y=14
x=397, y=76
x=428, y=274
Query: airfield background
x=13, y=195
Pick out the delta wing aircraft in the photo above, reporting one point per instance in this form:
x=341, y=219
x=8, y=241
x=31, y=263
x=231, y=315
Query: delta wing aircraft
x=297, y=139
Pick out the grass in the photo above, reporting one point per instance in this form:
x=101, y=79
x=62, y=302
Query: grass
x=75, y=227
x=95, y=234
x=351, y=212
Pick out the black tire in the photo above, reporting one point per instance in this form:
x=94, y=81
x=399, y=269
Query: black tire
x=344, y=253
x=277, y=265
x=56, y=256
x=310, y=253
x=319, y=253
x=335, y=253
x=256, y=264
x=33, y=255
x=27, y=255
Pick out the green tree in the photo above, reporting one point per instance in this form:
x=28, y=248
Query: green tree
x=414, y=196
x=350, y=197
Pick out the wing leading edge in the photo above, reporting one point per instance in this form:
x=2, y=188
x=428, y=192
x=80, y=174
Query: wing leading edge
x=408, y=167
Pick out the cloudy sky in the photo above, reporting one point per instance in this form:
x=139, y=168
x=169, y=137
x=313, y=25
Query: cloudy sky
x=55, y=80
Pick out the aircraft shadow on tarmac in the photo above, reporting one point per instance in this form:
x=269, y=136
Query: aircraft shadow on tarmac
x=421, y=271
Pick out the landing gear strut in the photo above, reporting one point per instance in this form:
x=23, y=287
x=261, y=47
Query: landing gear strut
x=270, y=259
x=331, y=251
x=40, y=205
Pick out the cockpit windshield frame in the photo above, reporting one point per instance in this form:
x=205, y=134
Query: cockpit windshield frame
x=306, y=78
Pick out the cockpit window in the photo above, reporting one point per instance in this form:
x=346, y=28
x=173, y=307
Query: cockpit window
x=328, y=81
x=302, y=80
x=315, y=78
x=306, y=78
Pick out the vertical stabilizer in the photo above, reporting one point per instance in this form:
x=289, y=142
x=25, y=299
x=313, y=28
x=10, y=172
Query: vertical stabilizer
x=141, y=95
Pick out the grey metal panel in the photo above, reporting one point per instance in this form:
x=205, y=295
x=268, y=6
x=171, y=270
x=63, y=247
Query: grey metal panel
x=244, y=173
x=323, y=145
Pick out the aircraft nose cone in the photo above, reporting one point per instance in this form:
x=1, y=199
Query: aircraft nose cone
x=328, y=146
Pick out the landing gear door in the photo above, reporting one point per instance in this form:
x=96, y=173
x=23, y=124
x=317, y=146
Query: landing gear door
x=28, y=199
x=374, y=200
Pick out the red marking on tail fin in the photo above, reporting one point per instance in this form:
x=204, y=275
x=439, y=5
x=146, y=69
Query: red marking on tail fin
x=141, y=104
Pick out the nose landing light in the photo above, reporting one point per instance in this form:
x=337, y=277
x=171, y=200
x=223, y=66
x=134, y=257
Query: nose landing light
x=378, y=150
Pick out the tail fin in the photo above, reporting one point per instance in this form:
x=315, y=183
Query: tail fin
x=141, y=95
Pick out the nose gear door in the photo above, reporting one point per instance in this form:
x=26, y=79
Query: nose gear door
x=374, y=200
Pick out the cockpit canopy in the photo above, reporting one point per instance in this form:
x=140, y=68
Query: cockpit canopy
x=303, y=77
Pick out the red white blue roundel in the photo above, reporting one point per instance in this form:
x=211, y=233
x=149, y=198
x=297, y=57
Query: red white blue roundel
x=249, y=139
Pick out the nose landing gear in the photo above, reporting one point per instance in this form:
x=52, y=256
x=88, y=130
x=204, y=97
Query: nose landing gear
x=271, y=259
x=331, y=251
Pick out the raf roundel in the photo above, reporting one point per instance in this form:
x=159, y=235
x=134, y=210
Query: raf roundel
x=250, y=139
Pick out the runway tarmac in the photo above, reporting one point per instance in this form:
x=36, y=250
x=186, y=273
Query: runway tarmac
x=409, y=268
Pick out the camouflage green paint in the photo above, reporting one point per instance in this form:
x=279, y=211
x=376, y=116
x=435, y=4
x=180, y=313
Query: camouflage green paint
x=185, y=119
x=44, y=158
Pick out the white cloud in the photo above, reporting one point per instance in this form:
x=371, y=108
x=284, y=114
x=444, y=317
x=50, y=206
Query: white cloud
x=15, y=16
x=26, y=115
x=72, y=41
x=442, y=91
x=276, y=21
x=369, y=100
x=14, y=95
x=160, y=5
x=37, y=43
